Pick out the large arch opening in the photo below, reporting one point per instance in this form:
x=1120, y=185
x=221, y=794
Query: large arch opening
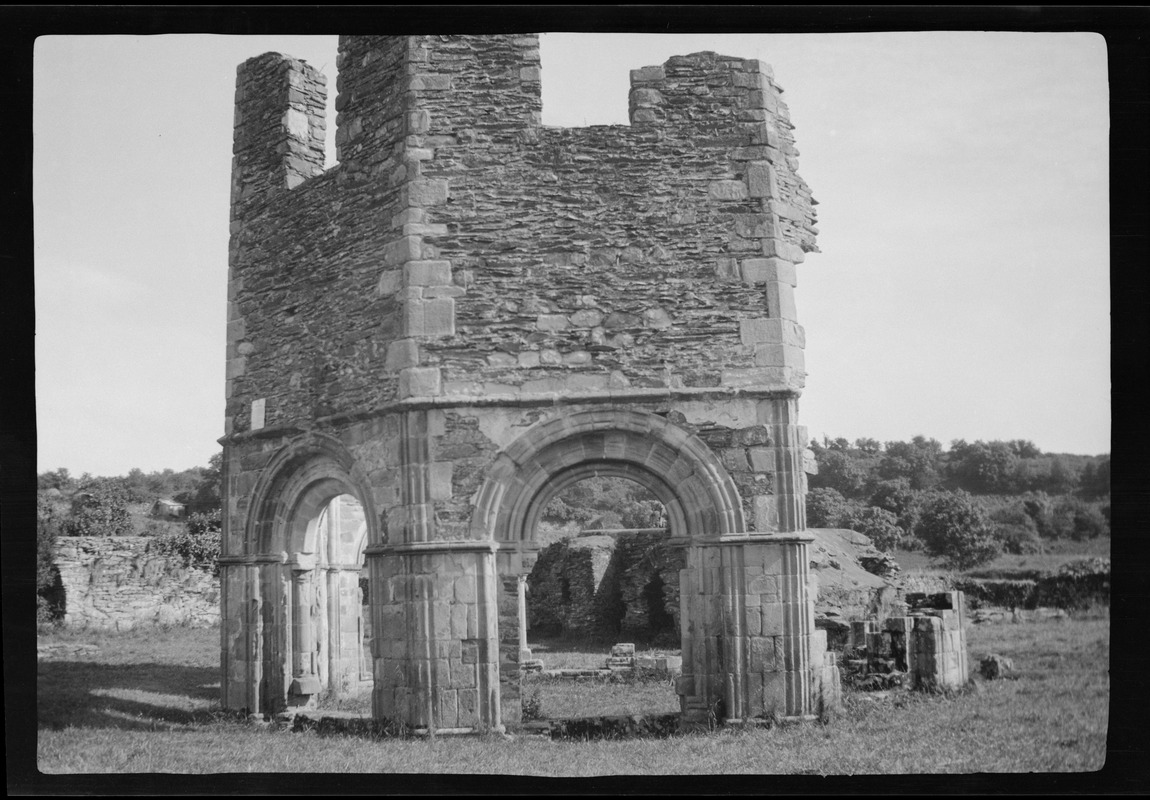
x=591, y=598
x=596, y=538
x=698, y=498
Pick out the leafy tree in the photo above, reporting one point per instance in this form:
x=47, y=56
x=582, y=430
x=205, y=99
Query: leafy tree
x=1024, y=448
x=560, y=512
x=1015, y=529
x=827, y=508
x=100, y=508
x=644, y=514
x=205, y=496
x=57, y=479
x=136, y=485
x=878, y=524
x=1062, y=478
x=988, y=468
x=954, y=527
x=1079, y=520
x=1095, y=479
x=838, y=470
x=869, y=446
x=895, y=495
x=916, y=460
x=606, y=503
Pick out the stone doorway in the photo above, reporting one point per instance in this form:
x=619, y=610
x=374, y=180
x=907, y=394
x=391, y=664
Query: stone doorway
x=328, y=630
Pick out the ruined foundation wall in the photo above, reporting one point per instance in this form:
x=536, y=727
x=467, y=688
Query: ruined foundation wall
x=600, y=585
x=114, y=582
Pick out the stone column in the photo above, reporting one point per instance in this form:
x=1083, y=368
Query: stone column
x=270, y=658
x=750, y=648
x=434, y=635
x=524, y=651
x=305, y=680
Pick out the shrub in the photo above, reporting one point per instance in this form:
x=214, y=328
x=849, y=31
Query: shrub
x=827, y=508
x=1016, y=530
x=838, y=470
x=1017, y=539
x=878, y=524
x=1077, y=584
x=1088, y=520
x=48, y=600
x=897, y=497
x=1002, y=593
x=100, y=509
x=198, y=542
x=955, y=528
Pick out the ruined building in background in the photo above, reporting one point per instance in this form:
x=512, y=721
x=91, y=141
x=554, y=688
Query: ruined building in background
x=471, y=312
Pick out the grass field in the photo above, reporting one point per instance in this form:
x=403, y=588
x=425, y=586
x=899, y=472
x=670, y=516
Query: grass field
x=147, y=702
x=1057, y=553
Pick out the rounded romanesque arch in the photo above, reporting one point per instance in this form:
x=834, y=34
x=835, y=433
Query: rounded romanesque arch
x=676, y=466
x=295, y=486
x=308, y=525
x=701, y=500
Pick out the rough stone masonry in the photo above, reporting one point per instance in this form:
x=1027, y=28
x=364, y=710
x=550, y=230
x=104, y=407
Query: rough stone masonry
x=471, y=312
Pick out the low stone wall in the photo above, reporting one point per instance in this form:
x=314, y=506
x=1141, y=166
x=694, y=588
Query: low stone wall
x=115, y=583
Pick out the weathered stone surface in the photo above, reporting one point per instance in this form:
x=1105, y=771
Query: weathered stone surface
x=116, y=582
x=470, y=308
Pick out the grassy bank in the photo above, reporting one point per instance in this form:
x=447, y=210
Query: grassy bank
x=146, y=702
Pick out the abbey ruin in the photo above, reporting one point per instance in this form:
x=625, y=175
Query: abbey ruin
x=471, y=312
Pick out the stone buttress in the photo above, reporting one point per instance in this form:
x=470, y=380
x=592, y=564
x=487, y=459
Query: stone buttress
x=471, y=312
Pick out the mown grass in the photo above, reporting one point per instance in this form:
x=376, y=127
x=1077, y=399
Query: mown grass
x=146, y=702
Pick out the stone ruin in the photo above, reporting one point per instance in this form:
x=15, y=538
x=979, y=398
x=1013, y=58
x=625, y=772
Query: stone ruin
x=471, y=312
x=608, y=583
x=924, y=648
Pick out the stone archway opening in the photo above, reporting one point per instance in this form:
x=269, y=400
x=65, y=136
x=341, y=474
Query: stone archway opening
x=596, y=539
x=697, y=495
x=588, y=604
x=297, y=636
x=329, y=635
x=597, y=534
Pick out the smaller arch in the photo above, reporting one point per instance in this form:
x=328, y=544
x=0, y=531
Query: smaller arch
x=295, y=485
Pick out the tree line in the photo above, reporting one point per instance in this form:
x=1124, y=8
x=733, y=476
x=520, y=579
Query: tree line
x=963, y=505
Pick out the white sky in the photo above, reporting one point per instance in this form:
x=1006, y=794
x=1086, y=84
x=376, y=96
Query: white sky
x=962, y=291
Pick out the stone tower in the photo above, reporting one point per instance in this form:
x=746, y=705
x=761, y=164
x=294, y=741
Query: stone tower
x=429, y=341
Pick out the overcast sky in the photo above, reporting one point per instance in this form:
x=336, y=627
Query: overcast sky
x=962, y=290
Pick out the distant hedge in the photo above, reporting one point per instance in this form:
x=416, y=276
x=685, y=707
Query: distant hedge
x=982, y=592
x=1075, y=585
x=1079, y=584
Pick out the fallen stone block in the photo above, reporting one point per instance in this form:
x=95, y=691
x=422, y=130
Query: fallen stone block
x=995, y=666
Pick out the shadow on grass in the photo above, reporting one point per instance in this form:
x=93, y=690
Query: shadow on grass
x=84, y=694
